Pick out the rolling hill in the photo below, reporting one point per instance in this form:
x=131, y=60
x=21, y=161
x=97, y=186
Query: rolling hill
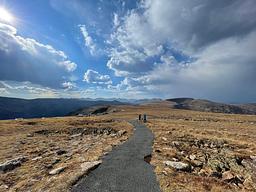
x=11, y=108
x=210, y=106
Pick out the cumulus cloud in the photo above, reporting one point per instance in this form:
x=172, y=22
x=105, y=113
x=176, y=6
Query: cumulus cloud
x=25, y=59
x=213, y=39
x=95, y=77
x=69, y=85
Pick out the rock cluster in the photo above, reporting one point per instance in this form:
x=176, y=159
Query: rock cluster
x=12, y=164
x=208, y=158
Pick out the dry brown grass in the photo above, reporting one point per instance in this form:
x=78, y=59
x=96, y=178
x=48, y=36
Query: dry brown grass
x=19, y=138
x=222, y=138
x=234, y=135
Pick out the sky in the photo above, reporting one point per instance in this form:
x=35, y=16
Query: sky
x=128, y=49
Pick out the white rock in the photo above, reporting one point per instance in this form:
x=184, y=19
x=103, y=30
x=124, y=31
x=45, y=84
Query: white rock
x=36, y=158
x=164, y=138
x=57, y=171
x=178, y=165
x=253, y=157
x=90, y=165
x=76, y=135
x=192, y=157
x=121, y=133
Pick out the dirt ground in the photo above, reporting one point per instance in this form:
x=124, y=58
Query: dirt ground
x=52, y=143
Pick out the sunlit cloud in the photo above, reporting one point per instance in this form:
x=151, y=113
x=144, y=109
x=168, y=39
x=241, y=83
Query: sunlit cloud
x=6, y=16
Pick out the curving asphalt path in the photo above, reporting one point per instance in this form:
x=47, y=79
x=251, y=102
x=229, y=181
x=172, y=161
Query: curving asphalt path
x=124, y=168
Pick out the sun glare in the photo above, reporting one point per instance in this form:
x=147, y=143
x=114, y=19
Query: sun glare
x=5, y=16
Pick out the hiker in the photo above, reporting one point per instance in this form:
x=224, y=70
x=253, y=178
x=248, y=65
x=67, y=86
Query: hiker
x=145, y=118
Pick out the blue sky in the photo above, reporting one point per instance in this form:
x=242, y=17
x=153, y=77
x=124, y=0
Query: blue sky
x=128, y=49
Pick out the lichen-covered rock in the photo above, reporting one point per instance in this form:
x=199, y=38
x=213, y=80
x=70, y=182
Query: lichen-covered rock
x=12, y=164
x=180, y=166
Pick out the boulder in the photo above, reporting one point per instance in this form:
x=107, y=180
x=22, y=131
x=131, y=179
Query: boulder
x=180, y=166
x=12, y=164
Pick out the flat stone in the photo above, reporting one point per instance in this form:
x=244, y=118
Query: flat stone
x=76, y=135
x=192, y=157
x=197, y=163
x=253, y=157
x=180, y=166
x=164, y=138
x=36, y=158
x=227, y=176
x=57, y=171
x=90, y=165
x=121, y=133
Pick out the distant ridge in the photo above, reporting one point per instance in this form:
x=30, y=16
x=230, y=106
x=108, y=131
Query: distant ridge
x=210, y=106
x=11, y=108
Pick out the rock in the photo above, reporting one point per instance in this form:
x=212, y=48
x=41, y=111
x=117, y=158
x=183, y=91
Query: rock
x=76, y=135
x=12, y=164
x=121, y=133
x=57, y=170
x=36, y=158
x=203, y=173
x=30, y=135
x=180, y=166
x=55, y=161
x=216, y=174
x=164, y=138
x=227, y=176
x=175, y=143
x=197, y=163
x=90, y=165
x=4, y=187
x=253, y=157
x=61, y=152
x=165, y=172
x=192, y=157
x=158, y=150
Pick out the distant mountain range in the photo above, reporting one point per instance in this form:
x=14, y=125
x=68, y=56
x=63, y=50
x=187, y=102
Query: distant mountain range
x=11, y=108
x=210, y=106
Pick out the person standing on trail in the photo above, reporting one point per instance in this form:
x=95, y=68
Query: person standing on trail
x=145, y=118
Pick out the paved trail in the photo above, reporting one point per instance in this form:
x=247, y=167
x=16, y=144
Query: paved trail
x=124, y=168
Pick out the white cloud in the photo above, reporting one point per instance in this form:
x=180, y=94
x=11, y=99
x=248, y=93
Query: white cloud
x=25, y=59
x=215, y=39
x=29, y=90
x=69, y=85
x=95, y=77
x=88, y=40
x=116, y=21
